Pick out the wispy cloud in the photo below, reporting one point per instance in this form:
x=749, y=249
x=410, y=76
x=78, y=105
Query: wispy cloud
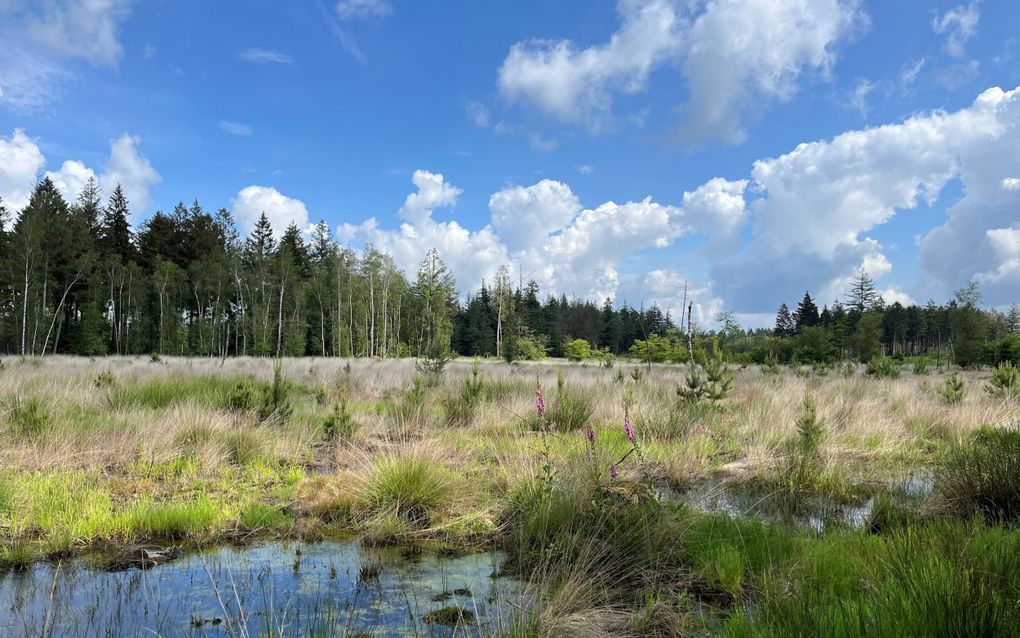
x=346, y=40
x=360, y=9
x=235, y=128
x=265, y=56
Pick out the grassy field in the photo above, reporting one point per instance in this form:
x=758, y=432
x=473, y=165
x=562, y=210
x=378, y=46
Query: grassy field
x=113, y=453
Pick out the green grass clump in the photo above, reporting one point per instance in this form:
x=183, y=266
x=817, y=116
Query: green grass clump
x=169, y=521
x=259, y=516
x=159, y=394
x=411, y=488
x=410, y=409
x=27, y=417
x=571, y=410
x=982, y=475
x=945, y=579
x=245, y=447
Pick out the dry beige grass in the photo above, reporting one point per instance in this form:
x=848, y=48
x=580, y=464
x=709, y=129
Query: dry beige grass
x=868, y=420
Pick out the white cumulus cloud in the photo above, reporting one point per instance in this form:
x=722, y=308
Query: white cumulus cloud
x=251, y=201
x=524, y=216
x=734, y=55
x=20, y=163
x=575, y=84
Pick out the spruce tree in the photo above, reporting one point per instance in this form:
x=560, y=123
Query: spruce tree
x=806, y=313
x=116, y=231
x=260, y=242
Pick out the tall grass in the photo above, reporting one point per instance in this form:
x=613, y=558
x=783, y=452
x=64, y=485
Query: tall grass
x=982, y=475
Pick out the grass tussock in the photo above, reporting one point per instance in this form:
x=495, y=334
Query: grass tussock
x=982, y=475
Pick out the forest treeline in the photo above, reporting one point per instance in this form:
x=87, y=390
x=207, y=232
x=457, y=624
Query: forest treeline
x=76, y=278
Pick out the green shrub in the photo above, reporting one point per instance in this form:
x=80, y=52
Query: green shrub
x=982, y=475
x=921, y=366
x=804, y=459
x=715, y=384
x=340, y=424
x=1005, y=381
x=883, y=367
x=954, y=389
x=577, y=350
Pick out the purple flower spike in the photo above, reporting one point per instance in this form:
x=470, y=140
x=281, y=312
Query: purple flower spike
x=590, y=434
x=539, y=402
x=612, y=471
x=629, y=429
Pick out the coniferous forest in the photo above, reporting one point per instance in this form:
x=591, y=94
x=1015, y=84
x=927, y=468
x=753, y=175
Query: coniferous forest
x=76, y=278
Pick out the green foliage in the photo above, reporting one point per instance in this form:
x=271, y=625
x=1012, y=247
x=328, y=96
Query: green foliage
x=954, y=389
x=1005, y=381
x=715, y=384
x=883, y=367
x=577, y=350
x=340, y=424
x=804, y=459
x=983, y=475
x=920, y=366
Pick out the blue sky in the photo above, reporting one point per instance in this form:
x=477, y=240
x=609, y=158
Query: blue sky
x=602, y=148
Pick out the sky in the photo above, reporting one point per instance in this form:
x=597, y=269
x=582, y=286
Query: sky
x=750, y=150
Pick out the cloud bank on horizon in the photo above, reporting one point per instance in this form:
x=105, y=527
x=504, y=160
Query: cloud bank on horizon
x=927, y=199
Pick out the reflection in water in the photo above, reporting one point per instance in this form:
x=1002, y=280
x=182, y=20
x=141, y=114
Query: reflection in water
x=277, y=589
x=816, y=511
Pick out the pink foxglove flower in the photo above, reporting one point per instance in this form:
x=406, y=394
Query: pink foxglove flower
x=590, y=434
x=612, y=471
x=628, y=429
x=539, y=402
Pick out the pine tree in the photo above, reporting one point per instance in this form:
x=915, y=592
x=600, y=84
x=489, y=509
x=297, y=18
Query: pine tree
x=806, y=313
x=785, y=325
x=862, y=295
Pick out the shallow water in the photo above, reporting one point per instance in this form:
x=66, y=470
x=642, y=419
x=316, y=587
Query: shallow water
x=277, y=589
x=816, y=512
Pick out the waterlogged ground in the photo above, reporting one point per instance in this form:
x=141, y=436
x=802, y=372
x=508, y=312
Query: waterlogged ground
x=336, y=588
x=817, y=512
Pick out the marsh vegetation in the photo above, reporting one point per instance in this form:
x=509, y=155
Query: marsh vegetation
x=623, y=500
